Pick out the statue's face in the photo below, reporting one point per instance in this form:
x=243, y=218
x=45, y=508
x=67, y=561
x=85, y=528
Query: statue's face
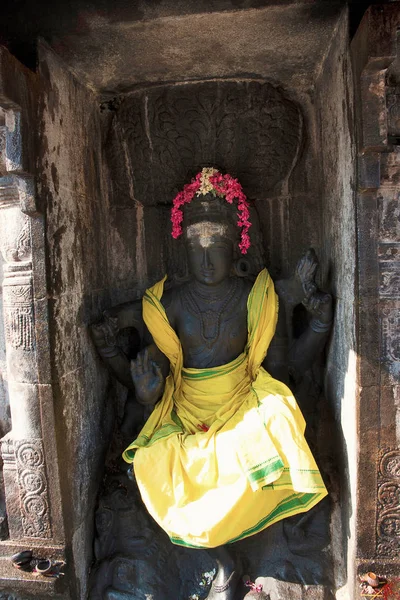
x=210, y=252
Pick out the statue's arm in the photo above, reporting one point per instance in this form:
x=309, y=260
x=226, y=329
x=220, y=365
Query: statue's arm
x=148, y=372
x=104, y=335
x=302, y=289
x=305, y=349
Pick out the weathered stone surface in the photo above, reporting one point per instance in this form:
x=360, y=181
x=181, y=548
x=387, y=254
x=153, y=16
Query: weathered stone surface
x=335, y=130
x=5, y=422
x=255, y=42
x=70, y=184
x=376, y=65
x=281, y=590
x=249, y=128
x=95, y=218
x=28, y=493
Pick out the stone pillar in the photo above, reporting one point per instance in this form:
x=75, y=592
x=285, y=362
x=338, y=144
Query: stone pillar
x=24, y=473
x=377, y=80
x=29, y=454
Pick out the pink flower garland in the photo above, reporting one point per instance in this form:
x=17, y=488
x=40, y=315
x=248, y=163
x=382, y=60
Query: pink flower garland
x=224, y=186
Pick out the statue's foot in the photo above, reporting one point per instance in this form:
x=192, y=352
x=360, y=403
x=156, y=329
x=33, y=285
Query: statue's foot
x=224, y=585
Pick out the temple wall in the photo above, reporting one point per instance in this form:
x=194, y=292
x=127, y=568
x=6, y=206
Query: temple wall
x=334, y=102
x=4, y=403
x=70, y=180
x=106, y=174
x=376, y=66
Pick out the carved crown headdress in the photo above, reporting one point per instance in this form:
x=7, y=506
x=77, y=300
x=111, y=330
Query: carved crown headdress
x=211, y=182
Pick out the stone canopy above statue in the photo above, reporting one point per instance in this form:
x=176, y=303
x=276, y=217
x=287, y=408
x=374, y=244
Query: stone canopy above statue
x=248, y=128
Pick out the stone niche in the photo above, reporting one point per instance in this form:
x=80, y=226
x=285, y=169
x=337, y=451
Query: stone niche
x=118, y=115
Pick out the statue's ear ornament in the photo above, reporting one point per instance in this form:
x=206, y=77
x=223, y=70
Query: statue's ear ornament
x=211, y=182
x=242, y=267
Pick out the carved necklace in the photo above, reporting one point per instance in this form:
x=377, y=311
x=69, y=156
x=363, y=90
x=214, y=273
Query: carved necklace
x=210, y=319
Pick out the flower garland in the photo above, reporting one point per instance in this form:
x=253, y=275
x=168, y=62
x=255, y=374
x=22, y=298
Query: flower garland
x=211, y=181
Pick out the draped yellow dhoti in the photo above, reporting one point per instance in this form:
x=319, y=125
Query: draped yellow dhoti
x=223, y=454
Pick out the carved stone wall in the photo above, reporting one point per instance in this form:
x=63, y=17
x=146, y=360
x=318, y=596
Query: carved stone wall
x=4, y=401
x=157, y=138
x=30, y=465
x=73, y=194
x=248, y=128
x=388, y=507
x=334, y=99
x=377, y=76
x=106, y=173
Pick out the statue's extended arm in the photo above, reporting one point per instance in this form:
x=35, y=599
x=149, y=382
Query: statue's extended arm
x=304, y=350
x=301, y=352
x=104, y=337
x=146, y=374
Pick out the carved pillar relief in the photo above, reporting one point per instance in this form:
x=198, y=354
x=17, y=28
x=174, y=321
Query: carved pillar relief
x=378, y=211
x=22, y=450
x=388, y=510
x=28, y=491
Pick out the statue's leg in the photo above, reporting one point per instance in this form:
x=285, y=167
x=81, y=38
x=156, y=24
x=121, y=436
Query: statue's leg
x=227, y=576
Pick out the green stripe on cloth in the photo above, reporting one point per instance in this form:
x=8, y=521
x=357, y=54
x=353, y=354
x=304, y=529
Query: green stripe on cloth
x=294, y=504
x=143, y=441
x=164, y=431
x=265, y=471
x=214, y=371
x=286, y=479
x=287, y=507
x=264, y=462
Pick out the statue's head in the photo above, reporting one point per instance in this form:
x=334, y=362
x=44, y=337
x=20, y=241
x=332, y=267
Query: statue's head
x=212, y=196
x=215, y=219
x=210, y=234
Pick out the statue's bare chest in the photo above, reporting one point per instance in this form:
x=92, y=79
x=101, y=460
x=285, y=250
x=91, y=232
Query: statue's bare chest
x=212, y=331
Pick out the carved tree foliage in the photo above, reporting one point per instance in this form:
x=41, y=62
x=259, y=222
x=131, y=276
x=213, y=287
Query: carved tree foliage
x=161, y=137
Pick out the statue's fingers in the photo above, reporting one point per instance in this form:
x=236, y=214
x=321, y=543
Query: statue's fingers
x=313, y=269
x=139, y=363
x=157, y=370
x=133, y=368
x=316, y=303
x=301, y=266
x=146, y=363
x=309, y=289
x=326, y=298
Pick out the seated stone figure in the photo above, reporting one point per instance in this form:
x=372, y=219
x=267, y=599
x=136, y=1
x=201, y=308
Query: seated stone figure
x=222, y=454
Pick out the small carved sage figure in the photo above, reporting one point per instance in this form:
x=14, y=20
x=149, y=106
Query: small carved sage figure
x=222, y=454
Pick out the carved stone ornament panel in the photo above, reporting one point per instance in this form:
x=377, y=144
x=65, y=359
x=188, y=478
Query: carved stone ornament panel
x=389, y=285
x=161, y=137
x=390, y=334
x=18, y=313
x=388, y=506
x=33, y=488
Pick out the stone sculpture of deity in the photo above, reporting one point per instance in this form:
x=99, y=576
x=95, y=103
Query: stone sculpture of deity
x=222, y=454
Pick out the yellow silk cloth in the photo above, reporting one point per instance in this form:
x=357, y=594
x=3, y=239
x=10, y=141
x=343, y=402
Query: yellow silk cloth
x=251, y=467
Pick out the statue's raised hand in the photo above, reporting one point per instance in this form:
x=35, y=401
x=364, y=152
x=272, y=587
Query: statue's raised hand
x=104, y=335
x=147, y=378
x=306, y=270
x=319, y=305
